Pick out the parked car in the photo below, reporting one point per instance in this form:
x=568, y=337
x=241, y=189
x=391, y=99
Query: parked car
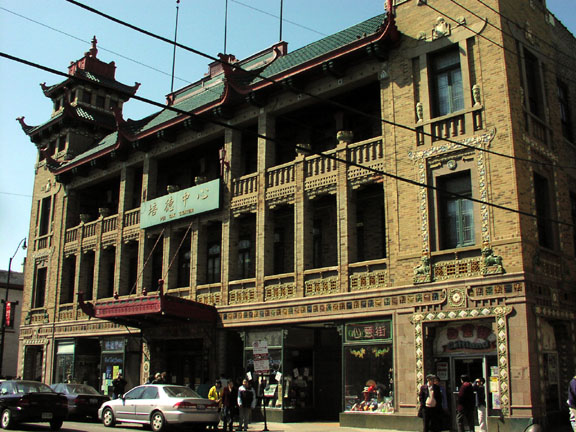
x=83, y=400
x=160, y=405
x=31, y=401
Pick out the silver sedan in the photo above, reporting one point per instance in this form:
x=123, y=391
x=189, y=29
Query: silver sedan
x=159, y=405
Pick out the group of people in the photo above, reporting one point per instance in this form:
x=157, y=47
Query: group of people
x=471, y=403
x=235, y=403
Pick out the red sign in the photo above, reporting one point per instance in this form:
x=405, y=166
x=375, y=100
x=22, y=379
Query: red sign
x=9, y=315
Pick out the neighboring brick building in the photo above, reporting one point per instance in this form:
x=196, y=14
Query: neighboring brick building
x=360, y=279
x=11, y=290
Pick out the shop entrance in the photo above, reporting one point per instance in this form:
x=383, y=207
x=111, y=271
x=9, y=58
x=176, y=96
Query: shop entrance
x=182, y=359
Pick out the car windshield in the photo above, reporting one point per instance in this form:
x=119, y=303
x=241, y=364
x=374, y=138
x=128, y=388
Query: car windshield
x=80, y=389
x=181, y=391
x=32, y=387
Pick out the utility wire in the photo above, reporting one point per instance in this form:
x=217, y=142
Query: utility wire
x=100, y=47
x=276, y=16
x=302, y=148
x=311, y=95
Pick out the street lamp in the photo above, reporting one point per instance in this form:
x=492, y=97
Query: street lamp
x=3, y=319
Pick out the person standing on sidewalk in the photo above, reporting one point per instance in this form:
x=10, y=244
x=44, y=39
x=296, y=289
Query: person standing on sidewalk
x=431, y=410
x=229, y=405
x=480, y=403
x=246, y=403
x=572, y=402
x=466, y=405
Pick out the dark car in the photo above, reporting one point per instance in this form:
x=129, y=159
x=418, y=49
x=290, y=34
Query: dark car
x=31, y=401
x=83, y=400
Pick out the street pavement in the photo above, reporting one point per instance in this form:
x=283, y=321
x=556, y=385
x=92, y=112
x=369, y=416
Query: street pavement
x=70, y=426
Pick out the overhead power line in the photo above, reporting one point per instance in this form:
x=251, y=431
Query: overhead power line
x=301, y=148
x=311, y=95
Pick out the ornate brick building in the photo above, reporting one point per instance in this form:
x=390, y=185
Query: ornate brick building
x=392, y=200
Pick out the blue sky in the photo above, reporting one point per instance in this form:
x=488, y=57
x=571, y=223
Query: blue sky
x=53, y=33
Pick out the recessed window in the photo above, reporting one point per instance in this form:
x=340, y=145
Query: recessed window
x=245, y=259
x=543, y=211
x=456, y=213
x=565, y=113
x=446, y=76
x=87, y=97
x=533, y=84
x=213, y=263
x=100, y=101
x=39, y=287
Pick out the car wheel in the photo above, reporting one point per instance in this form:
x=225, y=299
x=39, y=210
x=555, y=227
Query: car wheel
x=157, y=421
x=7, y=421
x=108, y=419
x=56, y=424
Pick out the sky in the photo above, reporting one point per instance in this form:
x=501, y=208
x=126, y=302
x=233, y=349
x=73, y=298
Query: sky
x=54, y=33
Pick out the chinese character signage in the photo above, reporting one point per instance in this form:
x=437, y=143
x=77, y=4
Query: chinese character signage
x=9, y=314
x=369, y=331
x=181, y=204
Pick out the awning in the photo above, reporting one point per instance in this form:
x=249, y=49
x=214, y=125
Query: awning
x=150, y=310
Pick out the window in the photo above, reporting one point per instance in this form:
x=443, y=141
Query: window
x=279, y=251
x=565, y=114
x=533, y=84
x=39, y=287
x=44, y=217
x=100, y=101
x=87, y=97
x=543, y=211
x=456, y=213
x=213, y=263
x=317, y=243
x=245, y=259
x=448, y=95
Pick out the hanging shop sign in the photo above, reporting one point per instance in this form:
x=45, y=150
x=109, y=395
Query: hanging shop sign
x=465, y=338
x=177, y=205
x=371, y=331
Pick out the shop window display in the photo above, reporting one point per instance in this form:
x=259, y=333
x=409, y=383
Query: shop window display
x=368, y=374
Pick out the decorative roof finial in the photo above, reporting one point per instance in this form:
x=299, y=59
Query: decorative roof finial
x=94, y=50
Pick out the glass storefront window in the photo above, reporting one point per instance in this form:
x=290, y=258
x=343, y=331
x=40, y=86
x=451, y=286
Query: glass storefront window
x=368, y=368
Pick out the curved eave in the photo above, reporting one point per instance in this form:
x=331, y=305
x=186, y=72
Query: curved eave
x=389, y=33
x=181, y=117
x=121, y=138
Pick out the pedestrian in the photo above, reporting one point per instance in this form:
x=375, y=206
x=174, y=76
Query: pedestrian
x=157, y=378
x=572, y=402
x=229, y=405
x=430, y=410
x=246, y=403
x=215, y=394
x=118, y=386
x=480, y=403
x=465, y=405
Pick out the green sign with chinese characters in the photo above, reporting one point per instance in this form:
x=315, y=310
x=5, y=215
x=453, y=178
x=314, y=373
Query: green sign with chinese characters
x=181, y=204
x=369, y=331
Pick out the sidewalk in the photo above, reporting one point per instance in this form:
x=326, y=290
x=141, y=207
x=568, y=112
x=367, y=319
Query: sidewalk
x=309, y=427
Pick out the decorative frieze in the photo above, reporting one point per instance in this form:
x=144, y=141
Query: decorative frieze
x=456, y=269
x=320, y=287
x=368, y=281
x=210, y=298
x=243, y=295
x=280, y=291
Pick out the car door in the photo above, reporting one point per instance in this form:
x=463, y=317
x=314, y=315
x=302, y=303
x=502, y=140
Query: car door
x=145, y=405
x=126, y=410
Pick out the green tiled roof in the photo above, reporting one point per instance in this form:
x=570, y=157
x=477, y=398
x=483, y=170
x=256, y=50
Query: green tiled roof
x=323, y=46
x=109, y=83
x=107, y=141
x=205, y=97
